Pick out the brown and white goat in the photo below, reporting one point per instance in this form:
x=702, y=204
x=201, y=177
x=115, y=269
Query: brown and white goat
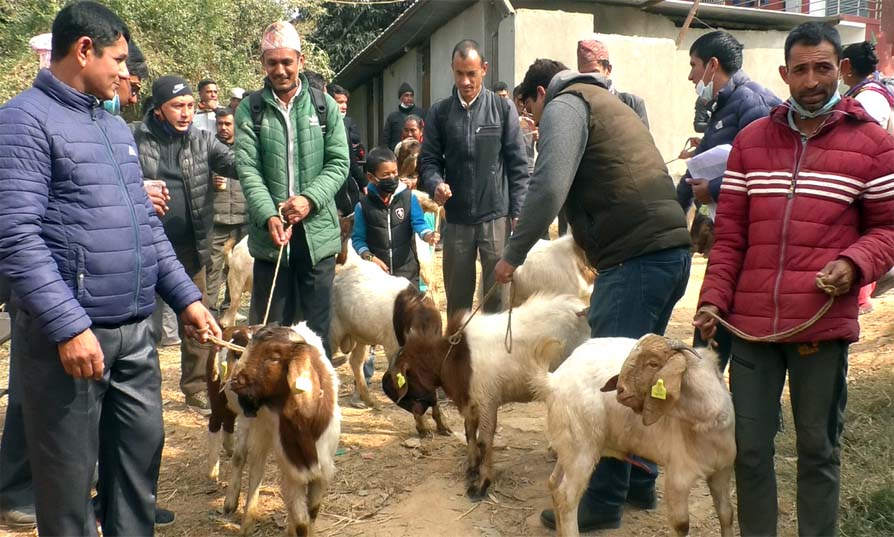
x=240, y=265
x=288, y=392
x=413, y=310
x=479, y=374
x=224, y=406
x=671, y=407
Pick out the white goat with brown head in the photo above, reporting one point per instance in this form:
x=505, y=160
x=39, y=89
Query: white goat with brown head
x=671, y=406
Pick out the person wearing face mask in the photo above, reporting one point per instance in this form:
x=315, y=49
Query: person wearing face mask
x=807, y=202
x=386, y=218
x=185, y=159
x=394, y=123
x=729, y=95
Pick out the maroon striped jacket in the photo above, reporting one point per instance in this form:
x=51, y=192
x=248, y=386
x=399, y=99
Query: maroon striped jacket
x=792, y=204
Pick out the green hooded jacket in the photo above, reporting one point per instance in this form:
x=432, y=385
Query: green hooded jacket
x=319, y=163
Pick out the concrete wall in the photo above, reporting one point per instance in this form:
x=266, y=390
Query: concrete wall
x=405, y=69
x=467, y=25
x=507, y=52
x=357, y=111
x=547, y=34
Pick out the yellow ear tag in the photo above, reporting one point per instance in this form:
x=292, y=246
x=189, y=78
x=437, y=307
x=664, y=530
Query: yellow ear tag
x=223, y=370
x=659, y=391
x=400, y=380
x=302, y=384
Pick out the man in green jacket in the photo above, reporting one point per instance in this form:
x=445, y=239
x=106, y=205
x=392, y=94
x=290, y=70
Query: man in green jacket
x=290, y=165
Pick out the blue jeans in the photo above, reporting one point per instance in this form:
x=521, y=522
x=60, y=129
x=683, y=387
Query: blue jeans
x=631, y=300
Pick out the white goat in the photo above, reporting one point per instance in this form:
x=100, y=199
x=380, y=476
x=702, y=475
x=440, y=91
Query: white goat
x=671, y=407
x=240, y=264
x=557, y=267
x=479, y=374
x=362, y=309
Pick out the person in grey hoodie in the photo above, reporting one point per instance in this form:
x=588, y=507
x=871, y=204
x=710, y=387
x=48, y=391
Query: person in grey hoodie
x=473, y=161
x=598, y=159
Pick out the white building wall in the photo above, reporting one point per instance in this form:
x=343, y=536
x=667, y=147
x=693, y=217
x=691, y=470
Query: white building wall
x=467, y=25
x=402, y=70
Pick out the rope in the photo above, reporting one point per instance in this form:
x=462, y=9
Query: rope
x=779, y=336
x=455, y=338
x=276, y=270
x=223, y=343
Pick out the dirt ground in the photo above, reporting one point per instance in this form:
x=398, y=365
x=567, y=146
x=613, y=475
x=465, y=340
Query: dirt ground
x=384, y=488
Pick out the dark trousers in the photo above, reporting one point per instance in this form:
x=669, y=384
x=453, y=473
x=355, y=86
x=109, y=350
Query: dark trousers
x=462, y=247
x=631, y=300
x=817, y=382
x=16, y=490
x=70, y=424
x=192, y=353
x=303, y=290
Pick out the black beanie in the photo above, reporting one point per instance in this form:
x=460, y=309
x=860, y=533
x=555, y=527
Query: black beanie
x=167, y=87
x=404, y=88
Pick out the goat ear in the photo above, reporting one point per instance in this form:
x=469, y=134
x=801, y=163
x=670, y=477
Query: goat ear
x=671, y=376
x=611, y=385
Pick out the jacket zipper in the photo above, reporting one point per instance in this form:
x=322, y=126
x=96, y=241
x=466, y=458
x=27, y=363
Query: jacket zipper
x=785, y=219
x=133, y=214
x=390, y=243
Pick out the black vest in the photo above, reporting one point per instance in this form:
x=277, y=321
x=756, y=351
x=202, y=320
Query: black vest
x=389, y=232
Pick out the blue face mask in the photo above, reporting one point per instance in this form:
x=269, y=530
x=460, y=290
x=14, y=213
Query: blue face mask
x=113, y=106
x=805, y=114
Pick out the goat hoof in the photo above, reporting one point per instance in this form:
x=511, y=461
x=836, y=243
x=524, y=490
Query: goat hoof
x=229, y=508
x=445, y=431
x=472, y=474
x=424, y=433
x=477, y=492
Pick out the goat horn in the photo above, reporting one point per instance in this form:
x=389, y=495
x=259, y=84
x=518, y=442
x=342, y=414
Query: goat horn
x=679, y=346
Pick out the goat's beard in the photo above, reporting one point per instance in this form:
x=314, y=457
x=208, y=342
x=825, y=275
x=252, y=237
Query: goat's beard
x=633, y=402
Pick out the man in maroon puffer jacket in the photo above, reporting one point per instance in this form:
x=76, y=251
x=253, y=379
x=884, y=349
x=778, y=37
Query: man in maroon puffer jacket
x=808, y=195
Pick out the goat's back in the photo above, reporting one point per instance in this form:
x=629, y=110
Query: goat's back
x=551, y=266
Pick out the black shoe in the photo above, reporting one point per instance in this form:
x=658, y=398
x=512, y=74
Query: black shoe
x=163, y=517
x=642, y=499
x=587, y=519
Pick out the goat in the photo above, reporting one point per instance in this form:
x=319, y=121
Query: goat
x=362, y=308
x=670, y=406
x=479, y=374
x=424, y=251
x=224, y=407
x=288, y=392
x=240, y=265
x=702, y=234
x=413, y=310
x=558, y=267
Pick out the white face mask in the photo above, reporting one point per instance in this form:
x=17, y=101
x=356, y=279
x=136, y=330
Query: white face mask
x=704, y=91
x=843, y=88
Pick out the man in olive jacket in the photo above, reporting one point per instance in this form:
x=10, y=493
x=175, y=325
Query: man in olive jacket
x=291, y=166
x=172, y=150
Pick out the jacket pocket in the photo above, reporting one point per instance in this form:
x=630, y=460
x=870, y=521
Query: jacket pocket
x=488, y=144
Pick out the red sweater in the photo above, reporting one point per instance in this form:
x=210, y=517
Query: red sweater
x=792, y=204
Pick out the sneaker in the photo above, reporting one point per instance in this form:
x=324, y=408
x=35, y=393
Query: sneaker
x=587, y=520
x=19, y=518
x=884, y=284
x=170, y=341
x=199, y=402
x=163, y=517
x=357, y=402
x=240, y=318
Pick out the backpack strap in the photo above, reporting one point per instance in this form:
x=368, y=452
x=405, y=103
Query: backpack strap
x=318, y=101
x=256, y=105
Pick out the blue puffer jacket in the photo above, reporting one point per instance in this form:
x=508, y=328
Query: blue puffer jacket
x=739, y=103
x=80, y=243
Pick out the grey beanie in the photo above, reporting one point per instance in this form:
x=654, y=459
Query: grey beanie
x=404, y=88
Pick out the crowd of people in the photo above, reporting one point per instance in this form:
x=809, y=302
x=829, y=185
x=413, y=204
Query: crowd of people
x=106, y=224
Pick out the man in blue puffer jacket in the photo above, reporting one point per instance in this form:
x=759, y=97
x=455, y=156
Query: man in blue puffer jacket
x=84, y=255
x=734, y=100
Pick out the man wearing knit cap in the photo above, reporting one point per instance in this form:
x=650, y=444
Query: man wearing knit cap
x=290, y=167
x=184, y=159
x=592, y=57
x=394, y=123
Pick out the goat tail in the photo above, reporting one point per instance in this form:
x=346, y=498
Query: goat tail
x=540, y=385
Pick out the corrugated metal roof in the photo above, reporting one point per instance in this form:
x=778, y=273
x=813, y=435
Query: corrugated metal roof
x=414, y=26
x=737, y=17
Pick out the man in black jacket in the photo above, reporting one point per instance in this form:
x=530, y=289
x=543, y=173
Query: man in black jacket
x=473, y=161
x=349, y=194
x=185, y=158
x=394, y=124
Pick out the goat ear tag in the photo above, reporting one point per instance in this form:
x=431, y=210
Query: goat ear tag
x=223, y=370
x=302, y=384
x=400, y=380
x=659, y=391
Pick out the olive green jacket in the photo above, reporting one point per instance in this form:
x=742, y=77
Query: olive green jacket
x=319, y=164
